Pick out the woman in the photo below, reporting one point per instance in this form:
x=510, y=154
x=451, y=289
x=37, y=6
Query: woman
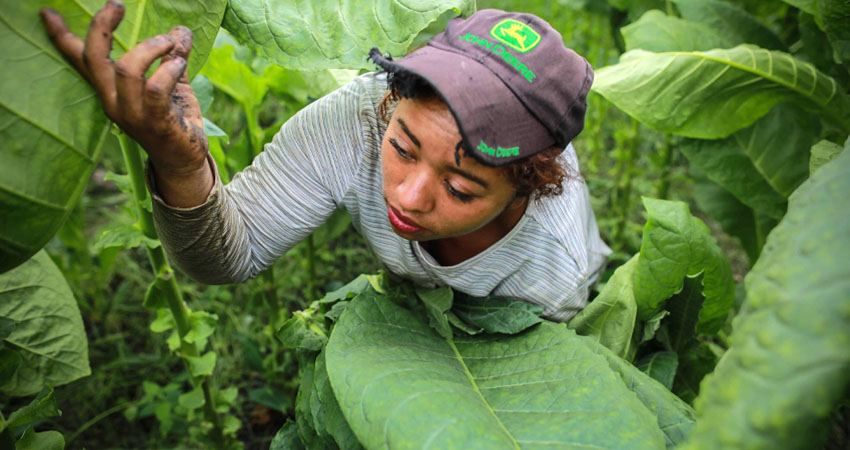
x=450, y=162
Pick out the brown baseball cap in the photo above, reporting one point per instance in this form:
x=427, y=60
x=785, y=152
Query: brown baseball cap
x=511, y=84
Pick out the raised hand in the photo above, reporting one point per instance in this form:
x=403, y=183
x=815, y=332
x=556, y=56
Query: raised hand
x=160, y=112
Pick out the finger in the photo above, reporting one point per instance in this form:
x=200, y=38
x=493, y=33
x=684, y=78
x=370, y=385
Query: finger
x=68, y=43
x=182, y=46
x=96, y=53
x=184, y=98
x=130, y=73
x=158, y=89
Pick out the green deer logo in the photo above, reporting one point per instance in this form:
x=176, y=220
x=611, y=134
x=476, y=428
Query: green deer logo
x=515, y=35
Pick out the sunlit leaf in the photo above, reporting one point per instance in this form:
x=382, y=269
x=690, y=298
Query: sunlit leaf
x=712, y=94
x=332, y=34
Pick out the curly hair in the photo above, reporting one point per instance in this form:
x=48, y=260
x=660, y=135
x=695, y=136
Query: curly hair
x=542, y=174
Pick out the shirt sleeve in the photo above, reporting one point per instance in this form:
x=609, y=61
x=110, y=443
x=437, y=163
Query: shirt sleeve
x=289, y=190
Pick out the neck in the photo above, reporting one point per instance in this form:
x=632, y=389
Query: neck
x=455, y=250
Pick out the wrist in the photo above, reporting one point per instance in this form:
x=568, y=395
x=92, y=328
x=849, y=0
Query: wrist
x=185, y=187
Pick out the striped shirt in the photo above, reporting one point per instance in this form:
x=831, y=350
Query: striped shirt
x=328, y=156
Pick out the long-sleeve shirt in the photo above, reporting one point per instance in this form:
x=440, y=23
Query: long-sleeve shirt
x=328, y=156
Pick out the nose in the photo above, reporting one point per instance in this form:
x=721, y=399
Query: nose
x=415, y=192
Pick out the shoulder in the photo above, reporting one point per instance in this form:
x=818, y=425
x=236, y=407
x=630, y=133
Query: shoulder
x=568, y=217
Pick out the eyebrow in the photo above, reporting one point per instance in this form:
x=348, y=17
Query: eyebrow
x=468, y=176
x=408, y=133
x=451, y=169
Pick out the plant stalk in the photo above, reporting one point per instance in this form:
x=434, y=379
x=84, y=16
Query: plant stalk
x=165, y=275
x=311, y=267
x=663, y=188
x=624, y=181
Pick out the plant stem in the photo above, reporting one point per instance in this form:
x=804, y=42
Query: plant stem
x=624, y=182
x=663, y=188
x=165, y=275
x=270, y=296
x=311, y=268
x=95, y=420
x=255, y=133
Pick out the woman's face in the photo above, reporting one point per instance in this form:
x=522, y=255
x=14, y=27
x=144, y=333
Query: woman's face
x=428, y=195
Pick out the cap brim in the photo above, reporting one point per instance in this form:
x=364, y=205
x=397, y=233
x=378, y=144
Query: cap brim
x=495, y=126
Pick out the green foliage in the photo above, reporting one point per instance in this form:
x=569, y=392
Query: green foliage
x=497, y=314
x=787, y=367
x=610, y=318
x=324, y=34
x=49, y=107
x=736, y=218
x=48, y=334
x=730, y=20
x=834, y=16
x=708, y=101
x=674, y=417
x=425, y=383
x=677, y=245
x=658, y=32
x=824, y=152
x=661, y=366
x=43, y=406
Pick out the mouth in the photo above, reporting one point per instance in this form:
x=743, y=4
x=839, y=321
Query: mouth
x=402, y=223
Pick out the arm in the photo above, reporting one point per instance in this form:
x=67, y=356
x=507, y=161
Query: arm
x=290, y=189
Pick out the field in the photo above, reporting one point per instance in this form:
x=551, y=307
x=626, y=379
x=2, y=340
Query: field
x=715, y=150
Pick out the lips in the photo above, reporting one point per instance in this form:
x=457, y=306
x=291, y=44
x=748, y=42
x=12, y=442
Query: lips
x=401, y=222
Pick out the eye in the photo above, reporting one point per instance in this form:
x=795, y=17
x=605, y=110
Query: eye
x=401, y=152
x=466, y=198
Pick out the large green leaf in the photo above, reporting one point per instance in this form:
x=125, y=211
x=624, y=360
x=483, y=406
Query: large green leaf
x=712, y=94
x=610, y=317
x=787, y=367
x=49, y=333
x=53, y=129
x=658, y=32
x=676, y=245
x=731, y=20
x=332, y=34
x=674, y=417
x=399, y=385
x=760, y=165
x=725, y=163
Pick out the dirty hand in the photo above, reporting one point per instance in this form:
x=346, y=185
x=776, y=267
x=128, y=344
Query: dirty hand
x=161, y=112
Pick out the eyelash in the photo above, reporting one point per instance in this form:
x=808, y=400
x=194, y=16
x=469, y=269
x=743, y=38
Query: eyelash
x=402, y=153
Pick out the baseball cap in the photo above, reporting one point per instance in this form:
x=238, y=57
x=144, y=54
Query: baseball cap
x=512, y=86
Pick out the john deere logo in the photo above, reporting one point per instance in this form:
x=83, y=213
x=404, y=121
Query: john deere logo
x=516, y=35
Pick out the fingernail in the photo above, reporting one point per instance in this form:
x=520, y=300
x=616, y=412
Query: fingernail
x=179, y=61
x=115, y=3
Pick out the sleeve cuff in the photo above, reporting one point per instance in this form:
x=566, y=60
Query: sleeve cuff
x=156, y=198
